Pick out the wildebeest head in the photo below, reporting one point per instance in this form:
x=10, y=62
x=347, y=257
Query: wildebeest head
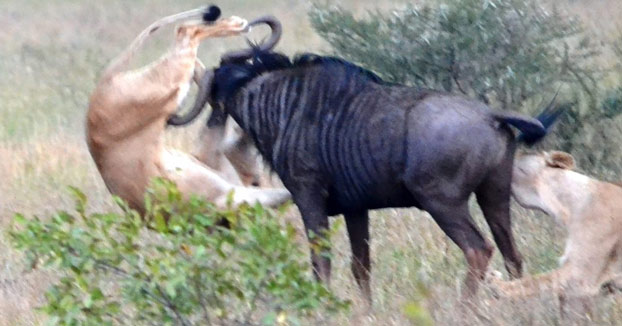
x=206, y=92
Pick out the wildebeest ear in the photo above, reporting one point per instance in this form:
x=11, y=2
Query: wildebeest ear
x=560, y=160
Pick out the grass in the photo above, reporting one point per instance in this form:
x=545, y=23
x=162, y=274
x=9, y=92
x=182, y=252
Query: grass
x=50, y=57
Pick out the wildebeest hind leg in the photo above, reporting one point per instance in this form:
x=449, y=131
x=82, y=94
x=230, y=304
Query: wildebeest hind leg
x=358, y=232
x=493, y=196
x=455, y=220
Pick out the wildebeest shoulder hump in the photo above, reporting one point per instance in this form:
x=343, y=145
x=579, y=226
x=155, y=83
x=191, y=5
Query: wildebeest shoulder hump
x=231, y=76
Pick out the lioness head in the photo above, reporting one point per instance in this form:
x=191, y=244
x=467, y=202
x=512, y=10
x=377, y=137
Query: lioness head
x=210, y=26
x=528, y=175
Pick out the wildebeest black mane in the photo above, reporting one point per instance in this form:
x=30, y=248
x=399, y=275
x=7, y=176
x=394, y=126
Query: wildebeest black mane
x=231, y=76
x=310, y=59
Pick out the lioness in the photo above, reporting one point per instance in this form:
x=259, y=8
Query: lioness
x=590, y=210
x=128, y=111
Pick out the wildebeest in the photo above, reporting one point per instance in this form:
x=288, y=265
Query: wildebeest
x=128, y=110
x=343, y=141
x=589, y=209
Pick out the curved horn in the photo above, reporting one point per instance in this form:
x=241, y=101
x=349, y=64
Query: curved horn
x=275, y=36
x=205, y=86
x=275, y=27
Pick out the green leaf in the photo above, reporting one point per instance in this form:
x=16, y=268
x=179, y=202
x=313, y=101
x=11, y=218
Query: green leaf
x=417, y=314
x=160, y=223
x=80, y=199
x=170, y=290
x=87, y=302
x=19, y=219
x=269, y=319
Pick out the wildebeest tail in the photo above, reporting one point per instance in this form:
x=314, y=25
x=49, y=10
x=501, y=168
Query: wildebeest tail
x=532, y=129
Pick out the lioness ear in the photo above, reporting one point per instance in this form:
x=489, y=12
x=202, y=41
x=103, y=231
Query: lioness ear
x=559, y=159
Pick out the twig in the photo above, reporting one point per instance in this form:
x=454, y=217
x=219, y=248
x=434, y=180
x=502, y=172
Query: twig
x=202, y=301
x=163, y=299
x=171, y=306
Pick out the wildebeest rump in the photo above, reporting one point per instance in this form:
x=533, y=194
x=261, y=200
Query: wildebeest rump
x=343, y=141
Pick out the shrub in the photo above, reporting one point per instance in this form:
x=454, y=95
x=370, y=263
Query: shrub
x=595, y=137
x=501, y=51
x=179, y=268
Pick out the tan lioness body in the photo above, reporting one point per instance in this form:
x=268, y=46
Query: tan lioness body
x=590, y=210
x=127, y=118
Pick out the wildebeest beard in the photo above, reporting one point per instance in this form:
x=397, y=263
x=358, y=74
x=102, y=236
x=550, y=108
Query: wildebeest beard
x=343, y=141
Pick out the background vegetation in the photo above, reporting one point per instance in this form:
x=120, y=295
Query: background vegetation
x=52, y=52
x=176, y=266
x=512, y=54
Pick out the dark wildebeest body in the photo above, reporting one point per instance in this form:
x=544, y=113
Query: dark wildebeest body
x=343, y=142
x=378, y=147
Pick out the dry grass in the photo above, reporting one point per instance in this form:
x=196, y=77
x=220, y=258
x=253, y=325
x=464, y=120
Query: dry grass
x=51, y=54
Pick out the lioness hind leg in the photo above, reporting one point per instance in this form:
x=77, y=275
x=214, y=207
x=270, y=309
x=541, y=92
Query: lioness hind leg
x=192, y=177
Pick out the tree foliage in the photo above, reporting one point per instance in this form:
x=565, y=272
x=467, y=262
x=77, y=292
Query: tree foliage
x=175, y=267
x=501, y=51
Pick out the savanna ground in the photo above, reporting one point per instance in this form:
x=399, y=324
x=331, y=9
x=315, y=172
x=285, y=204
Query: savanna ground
x=50, y=55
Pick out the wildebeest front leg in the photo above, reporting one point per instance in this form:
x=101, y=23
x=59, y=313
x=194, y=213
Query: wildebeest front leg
x=455, y=220
x=313, y=210
x=358, y=231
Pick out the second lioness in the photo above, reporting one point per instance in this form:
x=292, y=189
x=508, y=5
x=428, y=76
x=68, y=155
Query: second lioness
x=591, y=212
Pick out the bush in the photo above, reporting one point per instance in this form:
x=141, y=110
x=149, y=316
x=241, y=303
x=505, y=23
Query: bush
x=180, y=268
x=501, y=51
x=595, y=137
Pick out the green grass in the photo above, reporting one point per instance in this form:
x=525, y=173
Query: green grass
x=51, y=53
